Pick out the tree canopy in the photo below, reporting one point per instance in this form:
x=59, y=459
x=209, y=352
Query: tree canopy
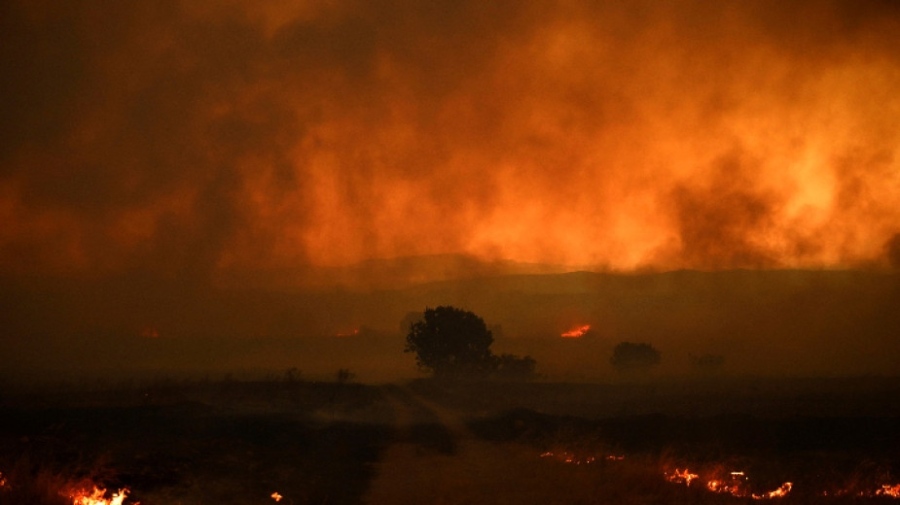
x=634, y=356
x=452, y=342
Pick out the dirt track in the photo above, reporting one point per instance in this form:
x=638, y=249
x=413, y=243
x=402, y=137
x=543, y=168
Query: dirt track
x=436, y=460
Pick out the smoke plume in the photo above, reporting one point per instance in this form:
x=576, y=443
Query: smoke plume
x=192, y=138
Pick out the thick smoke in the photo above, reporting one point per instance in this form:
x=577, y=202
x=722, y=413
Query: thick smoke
x=196, y=138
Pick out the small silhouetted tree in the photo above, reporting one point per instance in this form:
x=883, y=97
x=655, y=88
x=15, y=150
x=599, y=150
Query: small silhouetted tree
x=450, y=341
x=707, y=362
x=343, y=376
x=510, y=366
x=634, y=356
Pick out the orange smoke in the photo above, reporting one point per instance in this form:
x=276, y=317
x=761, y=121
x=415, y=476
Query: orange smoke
x=606, y=135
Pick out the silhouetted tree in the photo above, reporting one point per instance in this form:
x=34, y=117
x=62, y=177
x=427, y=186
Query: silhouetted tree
x=707, y=362
x=510, y=366
x=451, y=341
x=408, y=320
x=344, y=376
x=631, y=356
x=292, y=374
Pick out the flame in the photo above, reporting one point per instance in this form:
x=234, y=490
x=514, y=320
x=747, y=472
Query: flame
x=567, y=457
x=352, y=333
x=97, y=496
x=889, y=490
x=573, y=459
x=781, y=492
x=276, y=496
x=2, y=480
x=577, y=332
x=680, y=476
x=720, y=486
x=734, y=484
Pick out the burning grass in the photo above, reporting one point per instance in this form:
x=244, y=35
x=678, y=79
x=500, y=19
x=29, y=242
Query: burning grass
x=98, y=496
x=735, y=456
x=220, y=443
x=301, y=443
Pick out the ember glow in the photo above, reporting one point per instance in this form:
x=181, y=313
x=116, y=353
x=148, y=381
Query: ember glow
x=734, y=484
x=781, y=492
x=576, y=459
x=276, y=496
x=150, y=332
x=886, y=491
x=889, y=490
x=681, y=477
x=737, y=484
x=97, y=496
x=578, y=332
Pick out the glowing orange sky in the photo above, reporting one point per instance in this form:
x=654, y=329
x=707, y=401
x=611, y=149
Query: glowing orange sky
x=243, y=136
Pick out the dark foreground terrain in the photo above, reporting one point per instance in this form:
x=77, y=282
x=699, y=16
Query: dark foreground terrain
x=289, y=441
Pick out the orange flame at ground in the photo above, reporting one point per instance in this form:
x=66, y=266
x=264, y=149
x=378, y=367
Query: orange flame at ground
x=719, y=486
x=889, y=490
x=781, y=492
x=276, y=496
x=352, y=333
x=97, y=496
x=578, y=332
x=734, y=485
x=886, y=490
x=574, y=459
x=682, y=476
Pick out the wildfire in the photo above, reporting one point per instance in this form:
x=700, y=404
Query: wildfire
x=781, y=492
x=352, y=333
x=734, y=485
x=682, y=476
x=97, y=496
x=2, y=481
x=573, y=459
x=889, y=490
x=577, y=332
x=719, y=486
x=276, y=496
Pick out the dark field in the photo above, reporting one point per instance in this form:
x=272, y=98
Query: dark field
x=199, y=442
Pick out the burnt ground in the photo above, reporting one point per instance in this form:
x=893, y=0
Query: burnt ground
x=455, y=442
x=221, y=443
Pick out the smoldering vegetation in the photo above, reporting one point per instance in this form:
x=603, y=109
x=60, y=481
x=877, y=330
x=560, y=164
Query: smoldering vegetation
x=193, y=442
x=457, y=441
